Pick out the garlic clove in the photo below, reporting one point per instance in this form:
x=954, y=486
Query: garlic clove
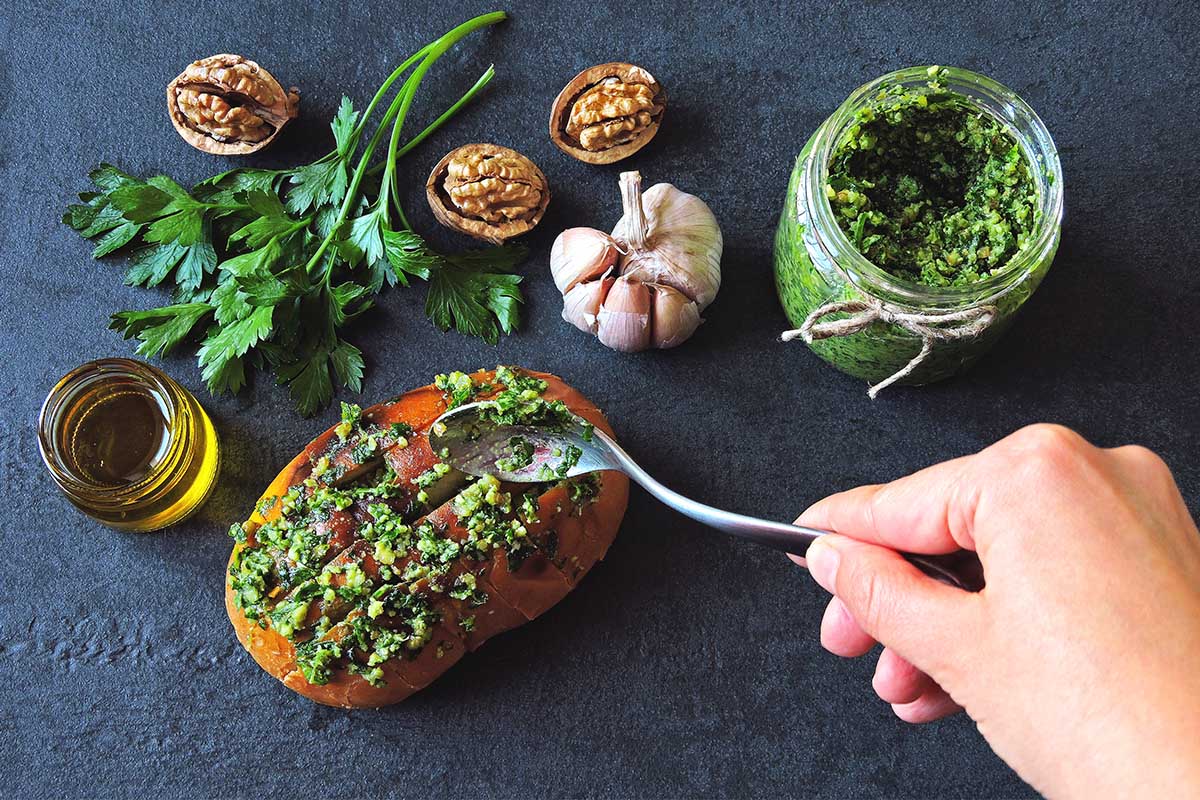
x=581, y=305
x=581, y=254
x=674, y=318
x=624, y=319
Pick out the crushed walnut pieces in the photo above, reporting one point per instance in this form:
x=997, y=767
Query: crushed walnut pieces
x=229, y=105
x=607, y=113
x=488, y=192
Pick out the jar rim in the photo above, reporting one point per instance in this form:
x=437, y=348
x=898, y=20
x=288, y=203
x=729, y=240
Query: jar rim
x=1000, y=103
x=64, y=389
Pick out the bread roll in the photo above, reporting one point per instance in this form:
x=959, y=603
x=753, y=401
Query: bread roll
x=369, y=568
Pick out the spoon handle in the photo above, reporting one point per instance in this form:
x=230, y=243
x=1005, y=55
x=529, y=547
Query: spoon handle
x=960, y=569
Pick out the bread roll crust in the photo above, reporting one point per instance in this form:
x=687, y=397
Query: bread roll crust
x=568, y=539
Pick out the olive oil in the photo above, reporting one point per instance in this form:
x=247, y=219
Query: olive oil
x=128, y=445
x=115, y=433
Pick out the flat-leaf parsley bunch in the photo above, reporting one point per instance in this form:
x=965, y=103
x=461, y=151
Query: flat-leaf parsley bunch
x=268, y=265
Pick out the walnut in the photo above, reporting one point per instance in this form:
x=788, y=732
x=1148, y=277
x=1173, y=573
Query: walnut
x=228, y=105
x=607, y=113
x=487, y=191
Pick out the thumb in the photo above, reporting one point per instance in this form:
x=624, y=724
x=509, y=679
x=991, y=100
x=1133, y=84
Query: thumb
x=892, y=601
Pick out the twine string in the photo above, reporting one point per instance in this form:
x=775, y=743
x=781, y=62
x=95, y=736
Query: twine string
x=862, y=314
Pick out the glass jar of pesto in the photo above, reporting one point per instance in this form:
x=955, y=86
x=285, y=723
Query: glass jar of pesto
x=919, y=218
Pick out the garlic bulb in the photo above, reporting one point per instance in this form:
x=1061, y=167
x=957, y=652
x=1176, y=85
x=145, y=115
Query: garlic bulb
x=646, y=284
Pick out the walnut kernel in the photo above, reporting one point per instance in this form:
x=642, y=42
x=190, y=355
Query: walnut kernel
x=228, y=105
x=488, y=192
x=607, y=113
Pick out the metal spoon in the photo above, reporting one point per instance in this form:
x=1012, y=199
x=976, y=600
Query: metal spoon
x=524, y=454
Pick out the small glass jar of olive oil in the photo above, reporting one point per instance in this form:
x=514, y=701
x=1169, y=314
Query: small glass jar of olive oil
x=128, y=445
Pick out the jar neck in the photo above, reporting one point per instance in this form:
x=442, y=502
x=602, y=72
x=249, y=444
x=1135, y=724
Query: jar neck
x=991, y=98
x=53, y=418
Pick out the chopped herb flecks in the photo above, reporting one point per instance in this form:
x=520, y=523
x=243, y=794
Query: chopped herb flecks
x=931, y=188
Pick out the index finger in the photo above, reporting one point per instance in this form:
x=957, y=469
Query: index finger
x=930, y=511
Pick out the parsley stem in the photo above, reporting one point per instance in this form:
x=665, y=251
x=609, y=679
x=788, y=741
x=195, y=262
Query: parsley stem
x=400, y=212
x=351, y=198
x=398, y=109
x=390, y=181
x=387, y=185
x=383, y=89
x=477, y=22
x=409, y=91
x=483, y=81
x=396, y=154
x=430, y=129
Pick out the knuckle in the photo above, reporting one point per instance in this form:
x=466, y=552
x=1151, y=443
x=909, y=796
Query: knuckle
x=1143, y=459
x=1047, y=448
x=965, y=497
x=1047, y=438
x=873, y=509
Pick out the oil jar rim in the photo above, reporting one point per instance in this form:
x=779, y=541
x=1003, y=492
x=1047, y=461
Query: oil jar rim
x=81, y=376
x=999, y=102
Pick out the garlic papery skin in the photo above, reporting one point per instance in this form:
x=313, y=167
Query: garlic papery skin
x=672, y=238
x=624, y=319
x=674, y=318
x=581, y=254
x=581, y=305
x=646, y=285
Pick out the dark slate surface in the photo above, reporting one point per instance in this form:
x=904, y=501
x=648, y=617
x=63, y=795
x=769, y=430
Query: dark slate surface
x=686, y=664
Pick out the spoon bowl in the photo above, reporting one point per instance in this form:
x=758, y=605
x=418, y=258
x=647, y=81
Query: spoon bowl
x=478, y=447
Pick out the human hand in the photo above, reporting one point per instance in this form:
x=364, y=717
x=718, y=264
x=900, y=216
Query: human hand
x=1080, y=660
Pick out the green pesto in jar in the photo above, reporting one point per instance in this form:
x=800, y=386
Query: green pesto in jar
x=930, y=192
x=930, y=188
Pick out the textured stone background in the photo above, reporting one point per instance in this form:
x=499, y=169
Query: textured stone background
x=686, y=664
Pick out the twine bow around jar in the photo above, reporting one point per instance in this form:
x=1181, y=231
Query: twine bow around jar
x=929, y=327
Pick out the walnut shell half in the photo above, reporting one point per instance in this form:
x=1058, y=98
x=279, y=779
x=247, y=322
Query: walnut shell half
x=607, y=113
x=488, y=192
x=228, y=105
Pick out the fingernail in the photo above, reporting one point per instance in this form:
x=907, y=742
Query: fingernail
x=823, y=559
x=805, y=518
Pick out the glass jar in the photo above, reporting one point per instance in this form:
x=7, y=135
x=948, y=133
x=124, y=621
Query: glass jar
x=816, y=265
x=127, y=445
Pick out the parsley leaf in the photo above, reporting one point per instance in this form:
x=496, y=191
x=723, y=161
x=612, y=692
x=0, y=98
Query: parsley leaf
x=348, y=364
x=272, y=220
x=475, y=302
x=365, y=239
x=226, y=187
x=115, y=239
x=309, y=382
x=221, y=352
x=323, y=183
x=407, y=254
x=150, y=265
x=267, y=266
x=343, y=125
x=160, y=329
x=199, y=261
